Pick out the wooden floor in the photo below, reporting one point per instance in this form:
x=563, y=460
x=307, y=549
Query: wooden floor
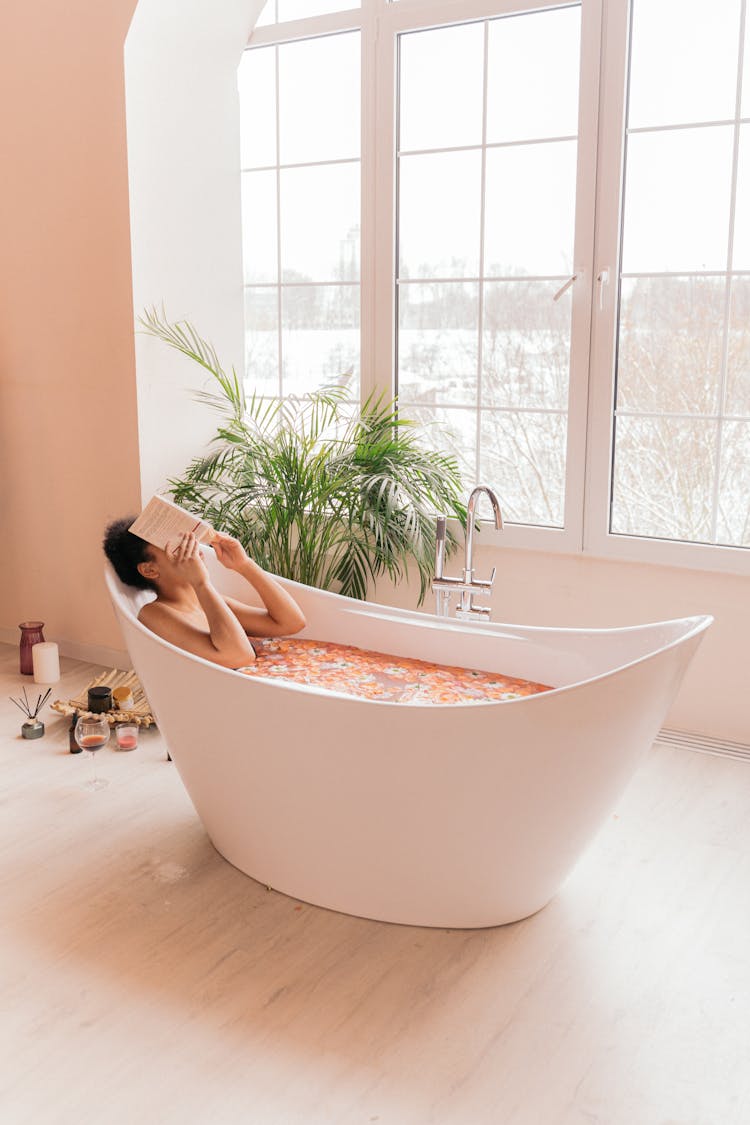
x=145, y=980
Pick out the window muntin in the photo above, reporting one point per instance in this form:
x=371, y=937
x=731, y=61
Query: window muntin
x=681, y=420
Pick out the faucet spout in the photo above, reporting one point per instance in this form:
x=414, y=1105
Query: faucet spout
x=467, y=586
x=471, y=508
x=476, y=493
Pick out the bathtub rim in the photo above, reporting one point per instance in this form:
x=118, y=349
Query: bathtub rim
x=695, y=625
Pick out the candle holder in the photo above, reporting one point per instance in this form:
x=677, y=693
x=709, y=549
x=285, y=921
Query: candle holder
x=126, y=735
x=100, y=699
x=31, y=634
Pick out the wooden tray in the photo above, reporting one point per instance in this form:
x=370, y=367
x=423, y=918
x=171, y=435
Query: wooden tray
x=139, y=713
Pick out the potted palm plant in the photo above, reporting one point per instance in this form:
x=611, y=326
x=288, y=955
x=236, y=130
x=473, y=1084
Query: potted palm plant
x=315, y=488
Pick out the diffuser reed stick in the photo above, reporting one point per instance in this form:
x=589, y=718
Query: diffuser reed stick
x=26, y=707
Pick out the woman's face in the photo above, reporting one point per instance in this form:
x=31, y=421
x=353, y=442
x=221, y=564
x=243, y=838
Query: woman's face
x=157, y=564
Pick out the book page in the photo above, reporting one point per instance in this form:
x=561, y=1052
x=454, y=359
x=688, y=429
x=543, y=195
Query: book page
x=162, y=520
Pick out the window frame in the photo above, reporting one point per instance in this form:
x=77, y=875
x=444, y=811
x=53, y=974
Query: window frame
x=601, y=146
x=598, y=541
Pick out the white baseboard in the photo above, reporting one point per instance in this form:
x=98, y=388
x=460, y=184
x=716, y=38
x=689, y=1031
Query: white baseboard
x=90, y=654
x=704, y=744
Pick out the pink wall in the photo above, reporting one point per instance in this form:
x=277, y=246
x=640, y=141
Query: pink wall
x=68, y=425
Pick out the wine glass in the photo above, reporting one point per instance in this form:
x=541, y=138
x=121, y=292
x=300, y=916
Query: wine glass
x=91, y=733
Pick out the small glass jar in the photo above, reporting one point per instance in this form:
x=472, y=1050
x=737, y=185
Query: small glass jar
x=100, y=699
x=123, y=698
x=31, y=634
x=126, y=735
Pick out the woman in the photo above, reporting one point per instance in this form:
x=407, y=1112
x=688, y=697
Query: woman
x=188, y=611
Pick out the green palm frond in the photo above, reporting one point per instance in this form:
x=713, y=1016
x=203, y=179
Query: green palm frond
x=315, y=488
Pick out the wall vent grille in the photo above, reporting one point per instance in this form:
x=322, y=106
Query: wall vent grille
x=701, y=743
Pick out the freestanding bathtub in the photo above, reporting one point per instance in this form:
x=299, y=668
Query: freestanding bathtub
x=461, y=815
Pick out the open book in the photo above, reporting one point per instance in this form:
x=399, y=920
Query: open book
x=161, y=521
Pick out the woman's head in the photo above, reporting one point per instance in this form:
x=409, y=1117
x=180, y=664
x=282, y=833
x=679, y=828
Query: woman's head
x=127, y=552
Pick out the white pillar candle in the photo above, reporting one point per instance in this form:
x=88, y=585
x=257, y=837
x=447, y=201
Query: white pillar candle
x=46, y=661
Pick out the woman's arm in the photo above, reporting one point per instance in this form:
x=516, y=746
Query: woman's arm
x=281, y=615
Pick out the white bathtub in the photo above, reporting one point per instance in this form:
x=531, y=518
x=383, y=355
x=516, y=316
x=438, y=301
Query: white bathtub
x=459, y=815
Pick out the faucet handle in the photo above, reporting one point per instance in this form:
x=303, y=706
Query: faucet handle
x=482, y=585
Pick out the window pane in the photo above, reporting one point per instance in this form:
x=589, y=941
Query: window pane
x=438, y=342
x=259, y=249
x=677, y=200
x=320, y=223
x=256, y=79
x=738, y=354
x=664, y=478
x=741, y=256
x=320, y=337
x=319, y=90
x=734, y=506
x=449, y=431
x=671, y=339
x=262, y=340
x=522, y=457
x=525, y=344
x=436, y=113
x=684, y=61
x=439, y=214
x=530, y=209
x=532, y=78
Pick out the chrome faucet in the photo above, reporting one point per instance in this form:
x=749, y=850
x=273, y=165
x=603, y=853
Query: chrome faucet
x=467, y=585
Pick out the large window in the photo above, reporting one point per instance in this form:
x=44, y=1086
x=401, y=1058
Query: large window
x=531, y=221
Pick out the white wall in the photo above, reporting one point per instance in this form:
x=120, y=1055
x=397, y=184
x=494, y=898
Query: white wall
x=181, y=58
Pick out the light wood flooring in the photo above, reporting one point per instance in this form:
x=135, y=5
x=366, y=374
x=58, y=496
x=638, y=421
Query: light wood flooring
x=144, y=980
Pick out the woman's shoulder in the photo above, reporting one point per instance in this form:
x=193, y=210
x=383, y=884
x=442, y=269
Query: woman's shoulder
x=154, y=611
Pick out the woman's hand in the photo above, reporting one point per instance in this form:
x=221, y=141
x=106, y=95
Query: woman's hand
x=186, y=557
x=229, y=551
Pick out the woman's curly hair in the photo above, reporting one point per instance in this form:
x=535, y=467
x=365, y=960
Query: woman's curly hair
x=125, y=551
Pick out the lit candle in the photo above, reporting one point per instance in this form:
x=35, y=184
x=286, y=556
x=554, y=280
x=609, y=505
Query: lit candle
x=46, y=662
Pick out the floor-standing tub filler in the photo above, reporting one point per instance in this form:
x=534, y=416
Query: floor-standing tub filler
x=460, y=815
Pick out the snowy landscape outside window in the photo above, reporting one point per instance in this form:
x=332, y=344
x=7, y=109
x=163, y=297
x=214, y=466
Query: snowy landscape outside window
x=682, y=433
